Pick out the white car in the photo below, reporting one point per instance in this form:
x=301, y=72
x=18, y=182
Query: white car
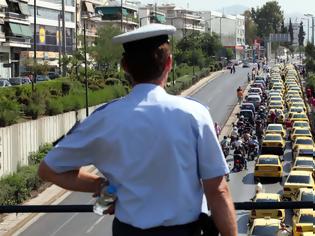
x=4, y=83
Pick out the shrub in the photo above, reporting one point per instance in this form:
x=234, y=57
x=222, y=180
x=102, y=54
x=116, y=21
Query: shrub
x=34, y=110
x=9, y=112
x=65, y=87
x=37, y=157
x=53, y=107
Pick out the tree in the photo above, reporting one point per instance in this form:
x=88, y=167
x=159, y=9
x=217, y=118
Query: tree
x=301, y=35
x=268, y=18
x=106, y=54
x=250, y=28
x=229, y=53
x=291, y=32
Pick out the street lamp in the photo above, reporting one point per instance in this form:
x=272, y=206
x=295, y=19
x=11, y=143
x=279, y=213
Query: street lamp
x=85, y=61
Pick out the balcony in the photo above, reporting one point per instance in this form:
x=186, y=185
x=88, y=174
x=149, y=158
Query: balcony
x=2, y=37
x=17, y=42
x=126, y=19
x=16, y=17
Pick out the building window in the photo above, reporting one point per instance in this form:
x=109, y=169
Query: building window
x=51, y=14
x=67, y=2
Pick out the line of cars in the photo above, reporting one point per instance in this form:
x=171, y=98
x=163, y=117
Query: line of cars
x=286, y=99
x=20, y=80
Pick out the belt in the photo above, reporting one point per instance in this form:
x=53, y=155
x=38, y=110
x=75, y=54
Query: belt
x=123, y=229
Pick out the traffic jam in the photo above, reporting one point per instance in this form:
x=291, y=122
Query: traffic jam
x=273, y=120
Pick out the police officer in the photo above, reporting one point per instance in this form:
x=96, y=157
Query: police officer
x=159, y=151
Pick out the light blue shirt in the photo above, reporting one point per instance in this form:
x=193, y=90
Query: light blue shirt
x=155, y=148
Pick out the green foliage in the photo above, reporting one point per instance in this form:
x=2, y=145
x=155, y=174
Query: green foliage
x=229, y=53
x=9, y=111
x=53, y=107
x=301, y=35
x=310, y=57
x=106, y=54
x=17, y=187
x=38, y=68
x=250, y=28
x=36, y=157
x=268, y=18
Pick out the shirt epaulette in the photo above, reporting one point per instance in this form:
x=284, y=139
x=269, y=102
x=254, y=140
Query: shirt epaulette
x=105, y=105
x=194, y=99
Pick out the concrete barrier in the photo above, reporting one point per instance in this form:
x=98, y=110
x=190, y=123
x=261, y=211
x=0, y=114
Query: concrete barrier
x=18, y=140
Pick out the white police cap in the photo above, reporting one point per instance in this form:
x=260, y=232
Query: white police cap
x=145, y=32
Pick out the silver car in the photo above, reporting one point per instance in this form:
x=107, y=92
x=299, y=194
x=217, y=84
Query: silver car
x=4, y=83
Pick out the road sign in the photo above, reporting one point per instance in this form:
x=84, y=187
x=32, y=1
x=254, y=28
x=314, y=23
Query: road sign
x=279, y=38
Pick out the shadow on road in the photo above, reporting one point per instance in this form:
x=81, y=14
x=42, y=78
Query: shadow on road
x=248, y=179
x=287, y=167
x=242, y=222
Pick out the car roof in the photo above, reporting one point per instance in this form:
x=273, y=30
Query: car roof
x=268, y=156
x=266, y=221
x=268, y=196
x=300, y=172
x=276, y=125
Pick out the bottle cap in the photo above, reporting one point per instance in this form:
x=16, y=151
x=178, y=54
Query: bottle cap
x=111, y=189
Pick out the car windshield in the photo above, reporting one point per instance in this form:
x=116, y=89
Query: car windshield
x=304, y=141
x=272, y=138
x=307, y=219
x=308, y=197
x=300, y=115
x=273, y=127
x=300, y=125
x=276, y=98
x=306, y=152
x=253, y=99
x=266, y=161
x=266, y=200
x=302, y=131
x=263, y=230
x=304, y=179
x=304, y=163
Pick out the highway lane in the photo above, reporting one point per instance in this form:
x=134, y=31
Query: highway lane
x=220, y=95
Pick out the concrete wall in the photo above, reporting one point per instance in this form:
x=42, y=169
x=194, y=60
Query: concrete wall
x=17, y=141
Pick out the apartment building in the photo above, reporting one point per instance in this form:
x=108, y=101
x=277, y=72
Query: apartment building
x=5, y=68
x=49, y=30
x=186, y=21
x=122, y=14
x=18, y=34
x=229, y=28
x=150, y=14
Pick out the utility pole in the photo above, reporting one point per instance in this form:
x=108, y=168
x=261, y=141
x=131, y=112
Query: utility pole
x=121, y=19
x=313, y=30
x=59, y=42
x=63, y=36
x=85, y=72
x=173, y=71
x=76, y=36
x=155, y=13
x=35, y=46
x=193, y=61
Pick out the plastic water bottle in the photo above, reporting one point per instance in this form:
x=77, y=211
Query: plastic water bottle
x=105, y=200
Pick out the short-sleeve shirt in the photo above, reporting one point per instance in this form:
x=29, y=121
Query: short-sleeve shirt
x=154, y=148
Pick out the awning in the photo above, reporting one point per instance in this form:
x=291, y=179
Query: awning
x=24, y=8
x=3, y=3
x=160, y=19
x=125, y=12
x=108, y=10
x=15, y=29
x=21, y=30
x=26, y=31
x=89, y=7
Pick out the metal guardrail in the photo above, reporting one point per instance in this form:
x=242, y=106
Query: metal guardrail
x=89, y=208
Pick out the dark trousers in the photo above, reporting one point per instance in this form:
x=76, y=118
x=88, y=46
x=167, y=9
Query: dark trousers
x=122, y=229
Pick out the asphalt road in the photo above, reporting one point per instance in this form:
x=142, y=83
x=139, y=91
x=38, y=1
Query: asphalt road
x=220, y=95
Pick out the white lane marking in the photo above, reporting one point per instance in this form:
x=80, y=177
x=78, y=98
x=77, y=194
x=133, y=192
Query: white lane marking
x=93, y=225
x=66, y=222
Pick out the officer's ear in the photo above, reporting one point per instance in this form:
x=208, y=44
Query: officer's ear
x=169, y=63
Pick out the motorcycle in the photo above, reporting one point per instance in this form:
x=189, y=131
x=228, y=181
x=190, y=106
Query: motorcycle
x=239, y=163
x=252, y=152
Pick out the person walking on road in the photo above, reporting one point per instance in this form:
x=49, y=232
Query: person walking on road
x=159, y=151
x=248, y=77
x=240, y=94
x=217, y=129
x=233, y=67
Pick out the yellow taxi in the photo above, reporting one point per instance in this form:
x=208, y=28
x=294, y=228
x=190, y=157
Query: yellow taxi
x=298, y=104
x=304, y=151
x=294, y=110
x=276, y=98
x=302, y=141
x=294, y=100
x=303, y=222
x=305, y=195
x=301, y=124
x=264, y=227
x=276, y=129
x=276, y=105
x=296, y=89
x=300, y=132
x=272, y=213
x=273, y=144
x=268, y=166
x=281, y=116
x=303, y=163
x=297, y=179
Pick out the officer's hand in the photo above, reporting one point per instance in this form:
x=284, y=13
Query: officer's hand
x=101, y=183
x=110, y=210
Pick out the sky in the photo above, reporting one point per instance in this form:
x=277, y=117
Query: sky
x=288, y=6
